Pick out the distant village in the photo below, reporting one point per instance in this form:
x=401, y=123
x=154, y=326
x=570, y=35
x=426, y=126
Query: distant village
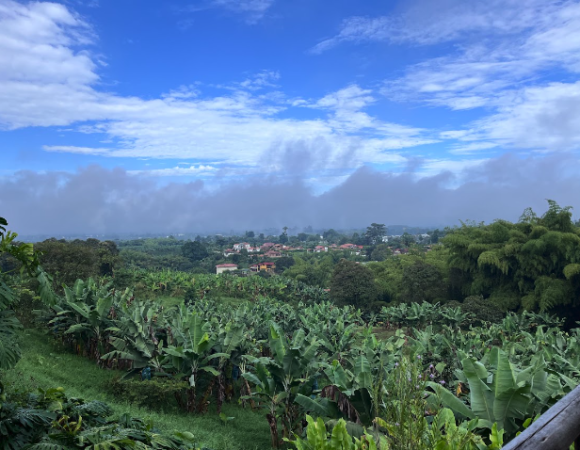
x=272, y=251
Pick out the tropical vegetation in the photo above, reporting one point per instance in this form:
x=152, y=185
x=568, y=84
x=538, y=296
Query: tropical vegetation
x=459, y=345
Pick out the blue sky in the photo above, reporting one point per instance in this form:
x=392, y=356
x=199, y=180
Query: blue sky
x=307, y=91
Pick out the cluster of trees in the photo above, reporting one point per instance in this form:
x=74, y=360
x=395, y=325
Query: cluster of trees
x=71, y=260
x=533, y=265
x=68, y=261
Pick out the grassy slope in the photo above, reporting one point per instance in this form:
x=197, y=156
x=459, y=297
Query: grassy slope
x=45, y=364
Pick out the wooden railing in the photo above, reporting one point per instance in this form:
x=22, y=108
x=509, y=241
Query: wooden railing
x=556, y=429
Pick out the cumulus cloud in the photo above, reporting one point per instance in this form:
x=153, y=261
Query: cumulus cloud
x=97, y=200
x=502, y=47
x=505, y=59
x=49, y=78
x=541, y=117
x=523, y=40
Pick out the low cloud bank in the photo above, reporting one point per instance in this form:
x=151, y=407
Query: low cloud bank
x=97, y=200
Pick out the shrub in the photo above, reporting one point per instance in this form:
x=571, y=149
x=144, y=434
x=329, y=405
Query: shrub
x=482, y=309
x=153, y=393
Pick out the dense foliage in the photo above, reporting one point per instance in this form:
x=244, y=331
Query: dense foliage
x=69, y=261
x=327, y=361
x=417, y=350
x=27, y=261
x=49, y=420
x=533, y=264
x=195, y=287
x=353, y=284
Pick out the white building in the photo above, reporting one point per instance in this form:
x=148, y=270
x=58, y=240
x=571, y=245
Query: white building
x=221, y=268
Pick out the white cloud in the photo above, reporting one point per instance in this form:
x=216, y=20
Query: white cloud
x=98, y=200
x=463, y=149
x=255, y=82
x=192, y=170
x=483, y=73
x=505, y=60
x=77, y=150
x=428, y=22
x=349, y=98
x=503, y=46
x=542, y=117
x=240, y=127
x=252, y=10
x=432, y=167
x=37, y=44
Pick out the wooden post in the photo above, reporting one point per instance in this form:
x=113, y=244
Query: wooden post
x=556, y=429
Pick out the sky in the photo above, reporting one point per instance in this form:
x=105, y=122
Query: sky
x=166, y=116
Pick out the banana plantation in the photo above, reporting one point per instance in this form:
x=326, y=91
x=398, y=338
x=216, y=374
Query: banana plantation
x=416, y=376
x=199, y=286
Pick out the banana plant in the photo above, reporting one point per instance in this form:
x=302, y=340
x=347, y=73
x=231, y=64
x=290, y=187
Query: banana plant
x=279, y=379
x=190, y=354
x=337, y=339
x=135, y=336
x=317, y=438
x=455, y=317
x=501, y=394
x=356, y=384
x=231, y=344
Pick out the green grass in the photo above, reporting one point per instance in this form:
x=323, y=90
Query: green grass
x=46, y=364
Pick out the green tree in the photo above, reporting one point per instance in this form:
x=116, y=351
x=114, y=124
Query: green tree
x=241, y=258
x=375, y=233
x=407, y=239
x=422, y=282
x=381, y=252
x=534, y=264
x=108, y=254
x=250, y=234
x=435, y=235
x=284, y=263
x=353, y=284
x=331, y=235
x=194, y=251
x=69, y=261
